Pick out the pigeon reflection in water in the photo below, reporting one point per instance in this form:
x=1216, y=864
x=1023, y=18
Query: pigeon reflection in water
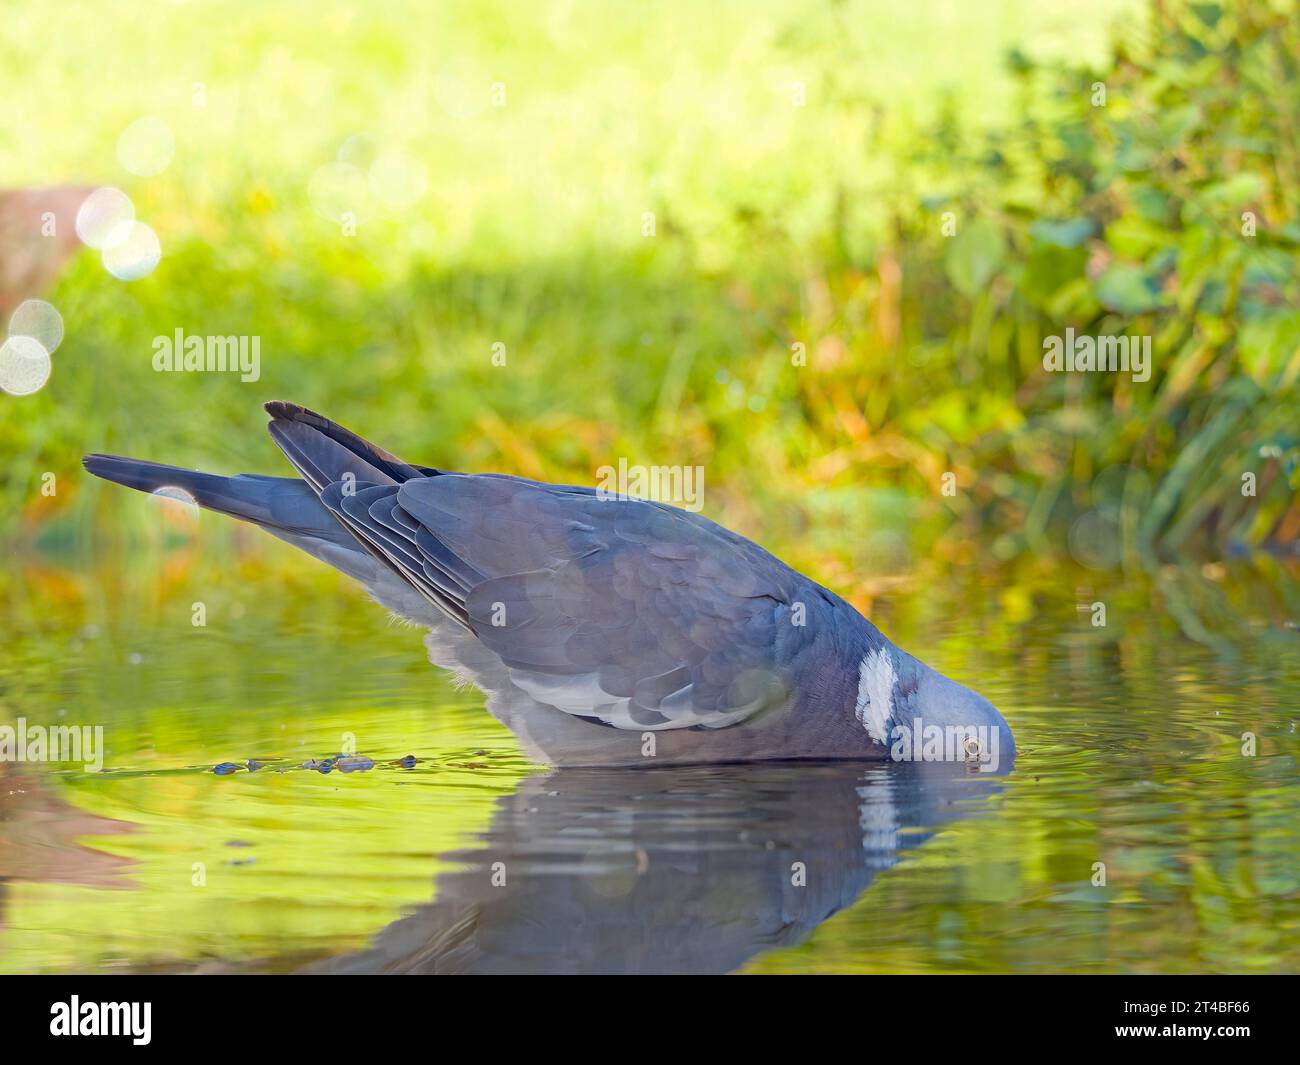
x=681, y=870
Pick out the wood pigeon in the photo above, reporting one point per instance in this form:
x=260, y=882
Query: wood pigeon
x=605, y=631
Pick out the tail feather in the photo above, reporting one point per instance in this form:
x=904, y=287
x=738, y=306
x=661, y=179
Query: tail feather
x=291, y=508
x=326, y=455
x=284, y=504
x=323, y=451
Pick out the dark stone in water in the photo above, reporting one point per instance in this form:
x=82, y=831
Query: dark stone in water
x=225, y=769
x=254, y=765
x=408, y=762
x=354, y=763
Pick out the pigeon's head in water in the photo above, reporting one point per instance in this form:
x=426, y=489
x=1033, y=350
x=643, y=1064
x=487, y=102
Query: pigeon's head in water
x=921, y=715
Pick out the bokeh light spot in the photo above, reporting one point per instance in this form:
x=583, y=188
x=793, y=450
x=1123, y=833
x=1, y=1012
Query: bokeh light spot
x=1095, y=540
x=146, y=147
x=102, y=214
x=132, y=251
x=24, y=366
x=40, y=321
x=178, y=505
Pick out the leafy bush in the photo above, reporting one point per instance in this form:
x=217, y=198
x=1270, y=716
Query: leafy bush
x=1156, y=197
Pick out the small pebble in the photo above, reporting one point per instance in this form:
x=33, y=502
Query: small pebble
x=408, y=762
x=225, y=769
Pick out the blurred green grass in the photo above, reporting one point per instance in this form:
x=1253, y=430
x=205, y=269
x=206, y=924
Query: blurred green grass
x=774, y=224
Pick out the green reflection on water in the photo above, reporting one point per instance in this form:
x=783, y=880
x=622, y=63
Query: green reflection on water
x=1131, y=741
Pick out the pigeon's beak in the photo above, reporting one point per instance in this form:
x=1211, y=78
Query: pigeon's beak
x=980, y=730
x=1000, y=739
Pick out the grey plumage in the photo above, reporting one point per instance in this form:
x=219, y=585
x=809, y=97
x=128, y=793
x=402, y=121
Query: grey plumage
x=604, y=631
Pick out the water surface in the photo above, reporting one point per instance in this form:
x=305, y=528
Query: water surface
x=452, y=853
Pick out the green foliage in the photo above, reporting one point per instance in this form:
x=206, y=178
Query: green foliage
x=1155, y=196
x=821, y=225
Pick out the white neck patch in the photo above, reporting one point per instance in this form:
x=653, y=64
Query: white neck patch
x=875, y=703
